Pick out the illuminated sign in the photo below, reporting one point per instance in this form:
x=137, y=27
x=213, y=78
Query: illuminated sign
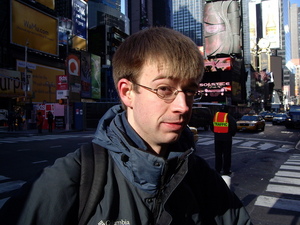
x=33, y=27
x=79, y=17
x=214, y=89
x=217, y=64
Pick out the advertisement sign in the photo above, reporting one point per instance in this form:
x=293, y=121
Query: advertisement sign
x=96, y=76
x=79, y=17
x=64, y=30
x=42, y=76
x=222, y=27
x=62, y=88
x=33, y=27
x=73, y=65
x=86, y=86
x=252, y=24
x=216, y=86
x=270, y=22
x=217, y=64
x=49, y=3
x=12, y=83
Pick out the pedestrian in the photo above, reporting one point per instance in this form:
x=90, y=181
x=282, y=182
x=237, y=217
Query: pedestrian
x=153, y=175
x=39, y=122
x=224, y=128
x=11, y=119
x=50, y=121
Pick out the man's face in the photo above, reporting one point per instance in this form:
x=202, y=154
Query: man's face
x=159, y=122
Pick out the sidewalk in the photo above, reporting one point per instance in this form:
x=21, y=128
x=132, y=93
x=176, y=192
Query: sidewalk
x=31, y=132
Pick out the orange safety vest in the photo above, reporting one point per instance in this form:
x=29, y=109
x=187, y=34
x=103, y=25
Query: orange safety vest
x=220, y=122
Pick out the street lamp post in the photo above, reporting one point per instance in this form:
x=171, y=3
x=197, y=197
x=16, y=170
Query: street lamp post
x=68, y=80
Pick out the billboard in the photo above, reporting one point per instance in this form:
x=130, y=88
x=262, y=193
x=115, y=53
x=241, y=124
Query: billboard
x=217, y=64
x=79, y=17
x=86, y=86
x=49, y=3
x=43, y=80
x=12, y=83
x=252, y=24
x=34, y=28
x=64, y=29
x=222, y=27
x=96, y=76
x=270, y=22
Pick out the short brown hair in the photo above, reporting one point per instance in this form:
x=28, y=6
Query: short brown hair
x=167, y=47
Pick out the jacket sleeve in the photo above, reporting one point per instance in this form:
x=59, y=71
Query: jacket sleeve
x=220, y=206
x=52, y=198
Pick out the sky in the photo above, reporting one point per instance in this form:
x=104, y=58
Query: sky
x=295, y=1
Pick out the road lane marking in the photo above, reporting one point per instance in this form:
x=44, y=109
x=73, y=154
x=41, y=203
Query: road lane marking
x=42, y=161
x=4, y=178
x=278, y=203
x=23, y=150
x=56, y=146
x=10, y=186
x=206, y=142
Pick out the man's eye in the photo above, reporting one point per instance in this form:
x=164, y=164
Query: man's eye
x=190, y=92
x=165, y=89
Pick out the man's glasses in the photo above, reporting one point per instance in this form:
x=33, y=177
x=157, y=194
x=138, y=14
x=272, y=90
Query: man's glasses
x=169, y=93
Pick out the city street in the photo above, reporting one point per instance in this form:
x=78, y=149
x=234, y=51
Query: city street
x=265, y=166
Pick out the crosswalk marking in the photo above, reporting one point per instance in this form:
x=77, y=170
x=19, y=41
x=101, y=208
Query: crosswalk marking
x=286, y=182
x=276, y=146
x=284, y=189
x=282, y=150
x=241, y=143
x=288, y=174
x=249, y=143
x=265, y=146
x=278, y=203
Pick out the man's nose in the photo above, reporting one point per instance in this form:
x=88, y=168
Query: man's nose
x=180, y=103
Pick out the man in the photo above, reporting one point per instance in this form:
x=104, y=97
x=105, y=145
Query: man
x=39, y=122
x=153, y=175
x=50, y=118
x=224, y=128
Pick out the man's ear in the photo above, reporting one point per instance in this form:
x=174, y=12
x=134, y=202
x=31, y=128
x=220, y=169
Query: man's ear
x=125, y=91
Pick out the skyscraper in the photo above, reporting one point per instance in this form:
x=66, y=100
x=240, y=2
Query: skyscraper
x=188, y=18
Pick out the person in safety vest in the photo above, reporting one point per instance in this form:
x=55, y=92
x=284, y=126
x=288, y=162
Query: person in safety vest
x=224, y=127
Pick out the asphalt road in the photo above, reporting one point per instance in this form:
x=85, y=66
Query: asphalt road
x=265, y=167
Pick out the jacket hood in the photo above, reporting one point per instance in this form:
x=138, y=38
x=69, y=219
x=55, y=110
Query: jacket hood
x=130, y=153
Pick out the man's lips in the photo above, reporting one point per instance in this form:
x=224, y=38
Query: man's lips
x=174, y=124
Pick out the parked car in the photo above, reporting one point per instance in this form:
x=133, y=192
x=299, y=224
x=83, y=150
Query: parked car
x=201, y=117
x=279, y=118
x=251, y=123
x=269, y=116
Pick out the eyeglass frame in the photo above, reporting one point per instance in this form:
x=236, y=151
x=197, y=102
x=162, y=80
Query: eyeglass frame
x=175, y=92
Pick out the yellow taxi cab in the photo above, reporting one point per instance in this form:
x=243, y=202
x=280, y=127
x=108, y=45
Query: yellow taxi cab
x=251, y=122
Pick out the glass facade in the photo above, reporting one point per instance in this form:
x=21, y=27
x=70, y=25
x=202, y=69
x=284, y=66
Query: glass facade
x=187, y=19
